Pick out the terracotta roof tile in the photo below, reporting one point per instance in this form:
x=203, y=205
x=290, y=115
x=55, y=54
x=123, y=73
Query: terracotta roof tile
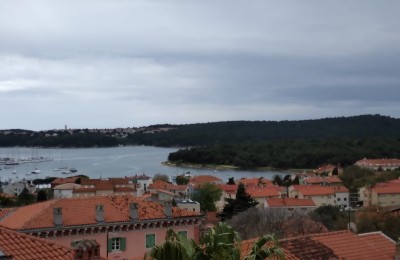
x=81, y=211
x=254, y=181
x=267, y=191
x=290, y=202
x=313, y=190
x=59, y=181
x=200, y=179
x=335, y=245
x=21, y=246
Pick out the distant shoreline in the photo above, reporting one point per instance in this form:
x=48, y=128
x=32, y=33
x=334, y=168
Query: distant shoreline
x=227, y=167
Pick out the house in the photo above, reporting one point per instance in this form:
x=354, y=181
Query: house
x=181, y=190
x=291, y=204
x=188, y=205
x=199, y=180
x=123, y=225
x=65, y=190
x=228, y=192
x=381, y=194
x=334, y=245
x=59, y=181
x=321, y=195
x=323, y=181
x=15, y=245
x=254, y=182
x=15, y=188
x=141, y=182
x=104, y=187
x=379, y=164
x=329, y=170
x=261, y=194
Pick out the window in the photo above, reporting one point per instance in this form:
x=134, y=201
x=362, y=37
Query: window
x=338, y=199
x=182, y=233
x=116, y=244
x=150, y=240
x=345, y=199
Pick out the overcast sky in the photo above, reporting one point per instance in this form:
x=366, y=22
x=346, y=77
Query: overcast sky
x=109, y=63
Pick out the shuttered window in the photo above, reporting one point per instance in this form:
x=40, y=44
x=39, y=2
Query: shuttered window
x=116, y=244
x=182, y=234
x=150, y=240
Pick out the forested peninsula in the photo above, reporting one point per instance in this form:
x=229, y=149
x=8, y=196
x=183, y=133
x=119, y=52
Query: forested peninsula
x=245, y=144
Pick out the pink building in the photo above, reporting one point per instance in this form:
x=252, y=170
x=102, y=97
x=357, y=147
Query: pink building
x=125, y=227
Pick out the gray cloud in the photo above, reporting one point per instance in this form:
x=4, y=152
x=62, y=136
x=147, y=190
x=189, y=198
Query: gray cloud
x=128, y=63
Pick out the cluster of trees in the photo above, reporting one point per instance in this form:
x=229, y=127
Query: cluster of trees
x=220, y=242
x=300, y=154
x=63, y=139
x=233, y=132
x=374, y=219
x=355, y=177
x=26, y=198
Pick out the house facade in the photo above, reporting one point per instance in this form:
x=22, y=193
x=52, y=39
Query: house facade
x=125, y=227
x=381, y=194
x=376, y=164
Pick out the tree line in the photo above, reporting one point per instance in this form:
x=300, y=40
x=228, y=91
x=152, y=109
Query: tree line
x=287, y=154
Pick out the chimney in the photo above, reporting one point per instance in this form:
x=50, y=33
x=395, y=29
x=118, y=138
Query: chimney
x=100, y=213
x=134, y=211
x=57, y=216
x=168, y=209
x=154, y=196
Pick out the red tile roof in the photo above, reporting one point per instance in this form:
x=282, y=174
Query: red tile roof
x=200, y=179
x=228, y=188
x=260, y=192
x=59, y=181
x=81, y=211
x=316, y=180
x=290, y=202
x=162, y=185
x=378, y=162
x=387, y=189
x=21, y=246
x=254, y=181
x=335, y=245
x=313, y=190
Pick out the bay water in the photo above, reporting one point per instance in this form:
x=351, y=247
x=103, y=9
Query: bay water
x=107, y=162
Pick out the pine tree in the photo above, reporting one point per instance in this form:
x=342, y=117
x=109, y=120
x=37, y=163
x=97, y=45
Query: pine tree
x=242, y=202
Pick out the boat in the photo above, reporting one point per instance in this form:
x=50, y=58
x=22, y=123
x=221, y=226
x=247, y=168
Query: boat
x=73, y=170
x=14, y=171
x=36, y=171
x=66, y=172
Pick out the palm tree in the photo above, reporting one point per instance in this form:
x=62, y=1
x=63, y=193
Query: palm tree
x=220, y=242
x=175, y=247
x=265, y=246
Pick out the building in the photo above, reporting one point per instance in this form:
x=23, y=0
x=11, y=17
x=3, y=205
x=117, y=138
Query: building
x=123, y=226
x=321, y=195
x=381, y=194
x=199, y=180
x=15, y=188
x=104, y=187
x=291, y=204
x=379, y=164
x=323, y=181
x=180, y=190
x=14, y=245
x=188, y=205
x=59, y=181
x=228, y=192
x=142, y=182
x=65, y=190
x=335, y=245
x=329, y=170
x=254, y=182
x=262, y=194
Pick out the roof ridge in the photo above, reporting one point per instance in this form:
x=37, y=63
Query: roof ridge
x=377, y=232
x=317, y=234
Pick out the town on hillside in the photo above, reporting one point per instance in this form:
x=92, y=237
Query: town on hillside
x=326, y=213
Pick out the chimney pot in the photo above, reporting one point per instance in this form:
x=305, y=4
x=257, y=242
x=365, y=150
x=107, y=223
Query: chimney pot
x=57, y=216
x=100, y=213
x=134, y=211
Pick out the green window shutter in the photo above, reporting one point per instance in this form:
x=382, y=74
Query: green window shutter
x=109, y=245
x=150, y=240
x=123, y=243
x=182, y=234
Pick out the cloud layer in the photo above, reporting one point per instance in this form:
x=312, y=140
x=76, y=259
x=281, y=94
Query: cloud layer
x=122, y=63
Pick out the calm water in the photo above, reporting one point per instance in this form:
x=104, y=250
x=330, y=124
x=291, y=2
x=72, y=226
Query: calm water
x=108, y=162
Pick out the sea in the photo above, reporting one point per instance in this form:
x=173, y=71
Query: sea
x=107, y=162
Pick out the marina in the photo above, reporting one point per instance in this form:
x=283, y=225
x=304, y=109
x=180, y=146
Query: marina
x=105, y=162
